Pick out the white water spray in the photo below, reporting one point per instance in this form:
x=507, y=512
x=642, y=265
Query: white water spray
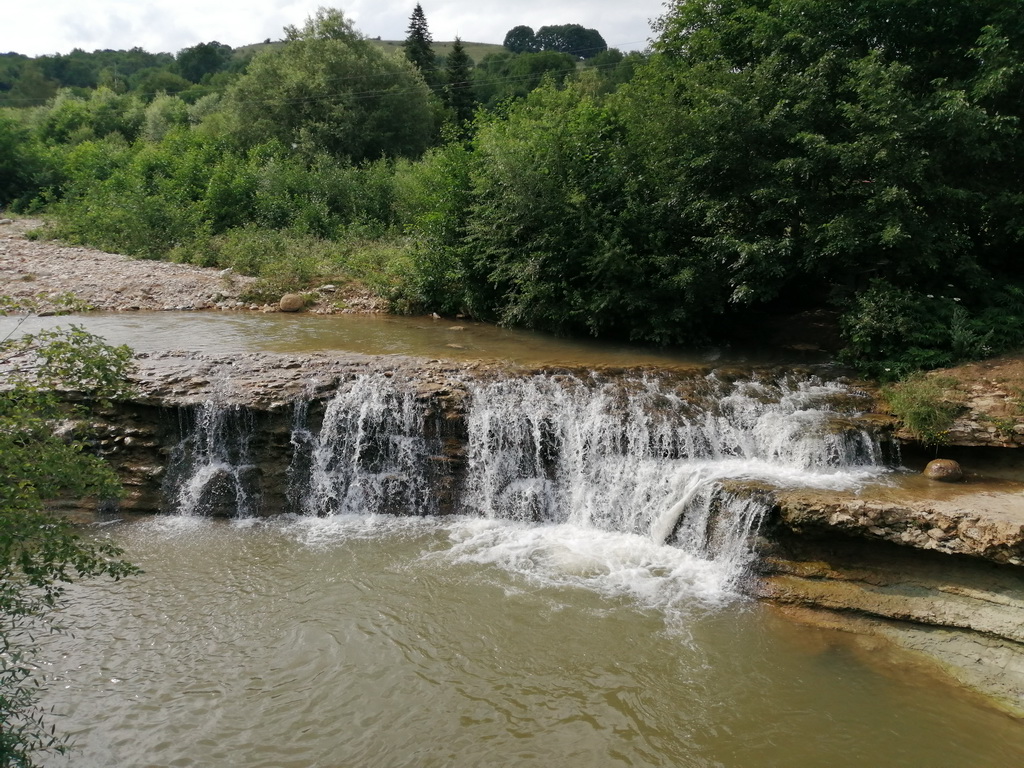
x=639, y=457
x=369, y=455
x=211, y=468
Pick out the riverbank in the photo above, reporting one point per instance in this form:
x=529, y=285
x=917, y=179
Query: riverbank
x=43, y=269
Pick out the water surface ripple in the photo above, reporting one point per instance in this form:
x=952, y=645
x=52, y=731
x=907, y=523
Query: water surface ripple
x=369, y=641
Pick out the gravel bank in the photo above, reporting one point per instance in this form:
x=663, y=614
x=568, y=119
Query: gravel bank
x=116, y=283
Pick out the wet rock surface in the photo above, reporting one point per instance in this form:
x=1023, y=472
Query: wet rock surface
x=961, y=613
x=930, y=567
x=944, y=471
x=984, y=520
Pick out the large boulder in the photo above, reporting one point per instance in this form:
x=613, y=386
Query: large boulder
x=944, y=470
x=291, y=302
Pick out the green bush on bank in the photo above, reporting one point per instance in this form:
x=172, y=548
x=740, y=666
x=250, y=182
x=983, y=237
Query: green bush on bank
x=891, y=332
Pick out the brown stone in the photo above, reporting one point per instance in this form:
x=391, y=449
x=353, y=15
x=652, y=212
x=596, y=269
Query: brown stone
x=291, y=302
x=944, y=470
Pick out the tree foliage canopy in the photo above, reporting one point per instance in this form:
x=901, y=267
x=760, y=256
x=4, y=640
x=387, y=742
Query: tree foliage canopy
x=329, y=90
x=521, y=39
x=418, y=45
x=203, y=59
x=458, y=86
x=573, y=39
x=842, y=142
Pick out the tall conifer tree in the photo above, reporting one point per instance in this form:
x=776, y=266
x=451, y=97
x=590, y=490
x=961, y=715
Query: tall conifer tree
x=458, y=90
x=418, y=44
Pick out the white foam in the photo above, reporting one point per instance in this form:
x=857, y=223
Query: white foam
x=610, y=563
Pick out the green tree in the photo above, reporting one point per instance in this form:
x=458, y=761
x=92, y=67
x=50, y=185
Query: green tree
x=203, y=59
x=22, y=162
x=32, y=88
x=573, y=39
x=418, y=45
x=562, y=233
x=521, y=39
x=812, y=148
x=503, y=76
x=148, y=83
x=458, y=88
x=329, y=90
x=70, y=119
x=615, y=68
x=39, y=552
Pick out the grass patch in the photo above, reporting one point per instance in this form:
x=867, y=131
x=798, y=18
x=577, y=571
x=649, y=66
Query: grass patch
x=926, y=405
x=287, y=262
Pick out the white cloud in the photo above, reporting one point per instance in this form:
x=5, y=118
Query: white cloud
x=58, y=26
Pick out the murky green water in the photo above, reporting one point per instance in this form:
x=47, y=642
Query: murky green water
x=412, y=642
x=225, y=332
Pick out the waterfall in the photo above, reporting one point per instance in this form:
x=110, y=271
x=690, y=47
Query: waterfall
x=211, y=468
x=655, y=458
x=368, y=456
x=648, y=456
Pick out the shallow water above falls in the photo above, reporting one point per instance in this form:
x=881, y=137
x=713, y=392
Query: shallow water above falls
x=364, y=641
x=237, y=332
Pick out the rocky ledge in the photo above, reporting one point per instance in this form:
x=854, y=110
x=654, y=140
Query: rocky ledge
x=982, y=519
x=990, y=396
x=929, y=567
x=959, y=616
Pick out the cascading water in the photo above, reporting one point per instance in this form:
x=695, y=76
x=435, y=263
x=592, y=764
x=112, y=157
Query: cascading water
x=627, y=476
x=368, y=456
x=640, y=457
x=211, y=468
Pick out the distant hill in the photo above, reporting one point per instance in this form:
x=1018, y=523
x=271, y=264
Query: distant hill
x=476, y=51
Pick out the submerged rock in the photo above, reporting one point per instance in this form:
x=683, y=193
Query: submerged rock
x=944, y=470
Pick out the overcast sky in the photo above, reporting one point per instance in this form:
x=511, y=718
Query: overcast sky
x=38, y=27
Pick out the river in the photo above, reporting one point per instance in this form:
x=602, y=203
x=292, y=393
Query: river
x=586, y=609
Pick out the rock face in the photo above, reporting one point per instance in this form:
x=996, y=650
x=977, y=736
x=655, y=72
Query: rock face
x=992, y=395
x=961, y=615
x=984, y=521
x=262, y=396
x=944, y=470
x=932, y=568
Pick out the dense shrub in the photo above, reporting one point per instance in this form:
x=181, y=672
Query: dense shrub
x=25, y=166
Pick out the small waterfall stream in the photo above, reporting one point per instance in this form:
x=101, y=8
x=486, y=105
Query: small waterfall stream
x=369, y=455
x=211, y=470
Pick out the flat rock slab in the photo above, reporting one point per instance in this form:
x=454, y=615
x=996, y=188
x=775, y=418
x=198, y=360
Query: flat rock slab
x=979, y=518
x=963, y=613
